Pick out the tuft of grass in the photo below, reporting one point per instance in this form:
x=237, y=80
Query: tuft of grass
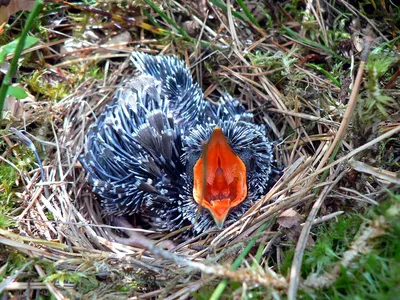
x=374, y=104
x=375, y=275
x=310, y=42
x=330, y=240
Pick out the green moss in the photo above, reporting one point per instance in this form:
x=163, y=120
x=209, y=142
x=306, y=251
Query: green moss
x=84, y=282
x=5, y=221
x=7, y=176
x=82, y=72
x=53, y=91
x=54, y=88
x=10, y=176
x=7, y=184
x=374, y=103
x=15, y=261
x=272, y=61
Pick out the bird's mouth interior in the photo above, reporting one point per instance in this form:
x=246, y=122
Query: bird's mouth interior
x=219, y=178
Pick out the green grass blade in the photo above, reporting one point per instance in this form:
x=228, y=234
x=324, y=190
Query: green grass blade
x=222, y=285
x=308, y=42
x=166, y=18
x=37, y=8
x=10, y=47
x=17, y=92
x=248, y=13
x=151, y=19
x=223, y=6
x=326, y=73
x=258, y=256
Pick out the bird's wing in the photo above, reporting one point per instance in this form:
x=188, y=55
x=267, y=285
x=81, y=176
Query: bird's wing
x=132, y=153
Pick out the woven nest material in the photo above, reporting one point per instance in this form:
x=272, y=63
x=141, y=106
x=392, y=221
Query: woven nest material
x=69, y=197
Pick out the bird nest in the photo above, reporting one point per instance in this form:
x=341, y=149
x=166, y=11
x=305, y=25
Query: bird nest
x=79, y=239
x=80, y=236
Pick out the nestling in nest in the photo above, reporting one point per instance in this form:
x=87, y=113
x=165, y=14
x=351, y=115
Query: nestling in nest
x=162, y=152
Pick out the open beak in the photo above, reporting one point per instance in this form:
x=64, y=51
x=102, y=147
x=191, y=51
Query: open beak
x=219, y=178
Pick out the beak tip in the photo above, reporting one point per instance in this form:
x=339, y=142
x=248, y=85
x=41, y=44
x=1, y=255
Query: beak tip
x=220, y=224
x=219, y=217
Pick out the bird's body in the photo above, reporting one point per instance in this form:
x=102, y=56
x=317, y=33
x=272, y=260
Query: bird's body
x=159, y=150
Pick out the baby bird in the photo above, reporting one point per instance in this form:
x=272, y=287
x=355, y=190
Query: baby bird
x=163, y=153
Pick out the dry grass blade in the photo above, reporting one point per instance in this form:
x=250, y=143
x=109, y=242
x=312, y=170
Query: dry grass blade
x=327, y=217
x=359, y=166
x=13, y=286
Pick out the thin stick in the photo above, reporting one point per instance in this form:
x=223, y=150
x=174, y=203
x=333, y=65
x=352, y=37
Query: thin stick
x=351, y=106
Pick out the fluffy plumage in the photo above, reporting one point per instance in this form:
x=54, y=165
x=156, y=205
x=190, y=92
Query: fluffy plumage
x=140, y=152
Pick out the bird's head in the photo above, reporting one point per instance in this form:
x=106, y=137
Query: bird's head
x=228, y=168
x=219, y=178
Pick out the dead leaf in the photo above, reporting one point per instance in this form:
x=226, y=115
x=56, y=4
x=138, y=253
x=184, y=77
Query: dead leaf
x=10, y=7
x=289, y=218
x=191, y=27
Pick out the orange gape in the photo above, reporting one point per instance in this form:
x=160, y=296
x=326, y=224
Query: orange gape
x=223, y=185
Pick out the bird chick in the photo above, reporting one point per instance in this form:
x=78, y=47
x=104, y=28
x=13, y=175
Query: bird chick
x=161, y=152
